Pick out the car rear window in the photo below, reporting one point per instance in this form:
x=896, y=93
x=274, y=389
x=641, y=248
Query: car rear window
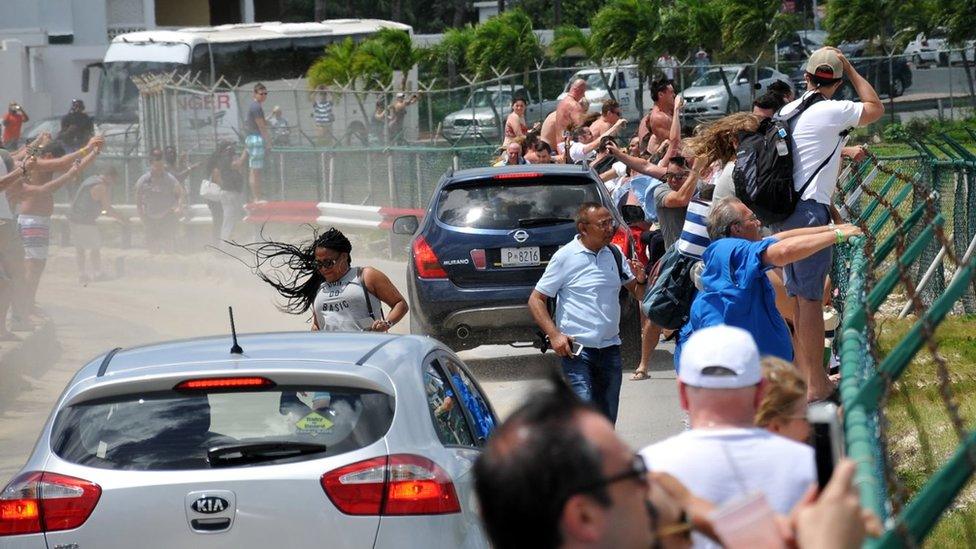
x=171, y=430
x=514, y=203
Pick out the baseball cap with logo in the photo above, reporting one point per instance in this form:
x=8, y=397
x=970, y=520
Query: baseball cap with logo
x=825, y=63
x=720, y=357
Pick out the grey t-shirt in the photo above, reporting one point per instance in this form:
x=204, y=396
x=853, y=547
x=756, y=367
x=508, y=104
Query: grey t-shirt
x=254, y=112
x=159, y=195
x=671, y=220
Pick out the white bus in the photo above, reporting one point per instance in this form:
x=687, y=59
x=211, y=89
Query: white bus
x=241, y=54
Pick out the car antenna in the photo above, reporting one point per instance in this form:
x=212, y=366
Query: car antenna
x=235, y=349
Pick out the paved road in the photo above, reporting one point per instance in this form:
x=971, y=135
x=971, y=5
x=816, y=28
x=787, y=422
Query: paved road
x=166, y=302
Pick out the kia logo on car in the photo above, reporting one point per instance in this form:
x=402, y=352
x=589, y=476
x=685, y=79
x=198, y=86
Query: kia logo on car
x=209, y=505
x=520, y=236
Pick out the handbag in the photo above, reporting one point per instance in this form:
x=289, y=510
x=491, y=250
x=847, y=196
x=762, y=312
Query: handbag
x=209, y=191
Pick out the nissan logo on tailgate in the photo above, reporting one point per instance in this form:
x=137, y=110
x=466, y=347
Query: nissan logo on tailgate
x=520, y=236
x=209, y=505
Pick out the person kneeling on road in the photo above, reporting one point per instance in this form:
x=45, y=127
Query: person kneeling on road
x=585, y=277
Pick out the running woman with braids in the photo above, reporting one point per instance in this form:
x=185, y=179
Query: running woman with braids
x=342, y=298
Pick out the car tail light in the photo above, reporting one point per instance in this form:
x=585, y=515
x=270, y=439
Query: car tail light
x=479, y=259
x=36, y=502
x=424, y=258
x=401, y=484
x=216, y=383
x=620, y=240
x=517, y=175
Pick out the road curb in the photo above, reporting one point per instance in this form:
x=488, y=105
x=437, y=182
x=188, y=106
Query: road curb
x=23, y=358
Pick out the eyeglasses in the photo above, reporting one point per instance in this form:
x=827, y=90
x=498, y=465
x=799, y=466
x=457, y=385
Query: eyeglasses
x=616, y=112
x=675, y=175
x=728, y=230
x=637, y=470
x=604, y=224
x=326, y=263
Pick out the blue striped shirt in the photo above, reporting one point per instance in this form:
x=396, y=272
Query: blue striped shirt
x=694, y=233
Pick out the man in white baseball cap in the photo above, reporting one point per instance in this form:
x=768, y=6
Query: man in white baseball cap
x=724, y=456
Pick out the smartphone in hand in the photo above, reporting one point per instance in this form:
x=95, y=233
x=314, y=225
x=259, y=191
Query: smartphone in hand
x=828, y=439
x=576, y=348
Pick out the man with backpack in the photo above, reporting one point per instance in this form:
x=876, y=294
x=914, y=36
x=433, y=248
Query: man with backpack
x=818, y=135
x=92, y=199
x=585, y=277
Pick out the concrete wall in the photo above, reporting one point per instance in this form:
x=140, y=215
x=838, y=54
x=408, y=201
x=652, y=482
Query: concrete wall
x=183, y=13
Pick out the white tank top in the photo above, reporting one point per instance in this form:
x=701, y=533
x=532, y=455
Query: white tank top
x=341, y=306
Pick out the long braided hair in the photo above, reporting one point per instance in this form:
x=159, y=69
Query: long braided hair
x=291, y=270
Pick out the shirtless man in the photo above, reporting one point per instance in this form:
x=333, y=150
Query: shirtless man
x=569, y=113
x=610, y=115
x=658, y=121
x=36, y=202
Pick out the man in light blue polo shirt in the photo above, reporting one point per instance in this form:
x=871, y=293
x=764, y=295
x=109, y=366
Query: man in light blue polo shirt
x=585, y=278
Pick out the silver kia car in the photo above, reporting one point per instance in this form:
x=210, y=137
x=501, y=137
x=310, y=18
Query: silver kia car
x=299, y=440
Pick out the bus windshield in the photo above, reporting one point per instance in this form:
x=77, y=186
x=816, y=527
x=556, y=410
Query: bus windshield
x=118, y=98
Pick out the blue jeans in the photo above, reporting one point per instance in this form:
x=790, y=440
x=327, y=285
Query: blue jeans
x=594, y=376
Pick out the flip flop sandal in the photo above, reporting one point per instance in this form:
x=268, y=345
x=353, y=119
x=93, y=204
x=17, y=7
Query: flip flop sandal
x=639, y=376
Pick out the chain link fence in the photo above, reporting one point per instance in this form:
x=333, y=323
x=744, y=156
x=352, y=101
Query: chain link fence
x=904, y=383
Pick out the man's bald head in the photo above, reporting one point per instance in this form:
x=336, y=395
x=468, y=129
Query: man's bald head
x=578, y=89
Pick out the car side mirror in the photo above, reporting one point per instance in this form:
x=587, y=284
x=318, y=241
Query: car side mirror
x=743, y=81
x=406, y=224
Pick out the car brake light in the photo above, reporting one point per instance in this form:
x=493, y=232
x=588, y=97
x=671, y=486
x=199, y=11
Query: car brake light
x=212, y=383
x=479, y=259
x=36, y=502
x=424, y=258
x=517, y=175
x=401, y=484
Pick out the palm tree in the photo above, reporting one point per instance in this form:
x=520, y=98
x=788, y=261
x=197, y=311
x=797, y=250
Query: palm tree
x=452, y=51
x=570, y=37
x=749, y=26
x=505, y=42
x=624, y=29
x=339, y=66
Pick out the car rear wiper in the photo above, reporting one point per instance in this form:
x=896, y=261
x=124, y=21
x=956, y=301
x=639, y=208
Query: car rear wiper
x=537, y=221
x=257, y=452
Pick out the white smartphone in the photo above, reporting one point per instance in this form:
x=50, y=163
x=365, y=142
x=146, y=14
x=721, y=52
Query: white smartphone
x=828, y=438
x=576, y=348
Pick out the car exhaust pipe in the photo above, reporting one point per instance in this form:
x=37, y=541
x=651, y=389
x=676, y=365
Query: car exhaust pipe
x=463, y=331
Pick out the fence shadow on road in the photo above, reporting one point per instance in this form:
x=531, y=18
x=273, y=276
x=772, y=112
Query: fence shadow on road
x=534, y=366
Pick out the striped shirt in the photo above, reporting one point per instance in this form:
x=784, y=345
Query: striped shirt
x=322, y=112
x=694, y=234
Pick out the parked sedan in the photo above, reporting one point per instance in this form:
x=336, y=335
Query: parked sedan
x=484, y=243
x=349, y=440
x=709, y=96
x=875, y=70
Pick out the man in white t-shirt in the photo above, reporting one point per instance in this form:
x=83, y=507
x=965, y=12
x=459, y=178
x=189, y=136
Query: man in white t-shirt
x=818, y=136
x=724, y=456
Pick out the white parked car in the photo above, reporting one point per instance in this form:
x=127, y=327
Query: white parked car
x=709, y=97
x=621, y=81
x=924, y=50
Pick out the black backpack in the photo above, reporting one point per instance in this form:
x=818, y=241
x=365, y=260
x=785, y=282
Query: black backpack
x=763, y=173
x=667, y=302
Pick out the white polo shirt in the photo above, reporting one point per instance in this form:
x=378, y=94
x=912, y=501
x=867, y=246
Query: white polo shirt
x=586, y=286
x=816, y=133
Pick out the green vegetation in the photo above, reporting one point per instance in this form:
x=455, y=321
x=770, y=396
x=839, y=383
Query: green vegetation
x=920, y=433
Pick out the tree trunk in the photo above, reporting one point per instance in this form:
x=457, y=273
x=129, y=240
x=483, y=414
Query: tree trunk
x=557, y=13
x=639, y=100
x=501, y=6
x=396, y=10
x=969, y=75
x=460, y=12
x=320, y=10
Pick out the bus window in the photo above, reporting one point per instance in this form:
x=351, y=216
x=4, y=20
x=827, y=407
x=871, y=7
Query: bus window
x=200, y=63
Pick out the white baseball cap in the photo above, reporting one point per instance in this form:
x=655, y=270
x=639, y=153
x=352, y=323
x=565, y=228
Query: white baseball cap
x=720, y=357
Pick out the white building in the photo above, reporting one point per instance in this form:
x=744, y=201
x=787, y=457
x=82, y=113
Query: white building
x=46, y=44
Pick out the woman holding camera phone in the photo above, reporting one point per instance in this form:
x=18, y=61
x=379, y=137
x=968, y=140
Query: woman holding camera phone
x=342, y=298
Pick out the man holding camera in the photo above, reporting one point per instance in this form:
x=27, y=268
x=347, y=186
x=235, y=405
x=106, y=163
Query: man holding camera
x=12, y=123
x=584, y=277
x=819, y=133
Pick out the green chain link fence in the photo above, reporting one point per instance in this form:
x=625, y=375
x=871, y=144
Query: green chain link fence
x=918, y=216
